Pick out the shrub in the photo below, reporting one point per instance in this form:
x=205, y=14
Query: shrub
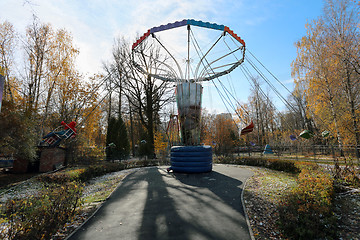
x=275, y=164
x=40, y=216
x=348, y=176
x=99, y=170
x=306, y=213
x=282, y=165
x=61, y=176
x=86, y=173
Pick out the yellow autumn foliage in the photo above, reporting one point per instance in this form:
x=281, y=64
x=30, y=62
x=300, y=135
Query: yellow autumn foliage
x=160, y=144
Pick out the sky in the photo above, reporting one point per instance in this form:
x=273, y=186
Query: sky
x=269, y=27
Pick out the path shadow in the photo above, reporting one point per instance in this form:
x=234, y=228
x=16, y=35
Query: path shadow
x=153, y=204
x=226, y=188
x=193, y=206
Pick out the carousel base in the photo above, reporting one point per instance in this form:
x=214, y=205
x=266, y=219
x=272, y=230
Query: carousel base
x=191, y=159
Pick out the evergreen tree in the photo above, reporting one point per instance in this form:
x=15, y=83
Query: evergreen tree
x=117, y=141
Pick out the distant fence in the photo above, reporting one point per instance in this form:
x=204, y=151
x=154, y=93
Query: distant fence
x=314, y=152
x=319, y=153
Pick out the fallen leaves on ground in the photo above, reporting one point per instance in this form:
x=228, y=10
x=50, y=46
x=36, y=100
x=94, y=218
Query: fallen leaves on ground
x=262, y=195
x=264, y=191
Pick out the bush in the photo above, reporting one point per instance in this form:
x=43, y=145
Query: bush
x=99, y=170
x=40, y=216
x=347, y=176
x=61, y=176
x=275, y=164
x=283, y=165
x=306, y=213
x=84, y=174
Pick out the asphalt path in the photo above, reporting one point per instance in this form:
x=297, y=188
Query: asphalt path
x=153, y=204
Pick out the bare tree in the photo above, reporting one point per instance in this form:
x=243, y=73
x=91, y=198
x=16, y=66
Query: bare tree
x=146, y=95
x=37, y=45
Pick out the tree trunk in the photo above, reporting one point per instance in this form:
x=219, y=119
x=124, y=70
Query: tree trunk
x=351, y=101
x=109, y=113
x=131, y=132
x=120, y=94
x=334, y=115
x=149, y=114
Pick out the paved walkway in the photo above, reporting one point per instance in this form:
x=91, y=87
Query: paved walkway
x=153, y=204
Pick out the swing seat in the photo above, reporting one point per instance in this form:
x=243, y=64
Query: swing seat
x=306, y=134
x=57, y=136
x=52, y=140
x=325, y=134
x=69, y=133
x=247, y=129
x=292, y=137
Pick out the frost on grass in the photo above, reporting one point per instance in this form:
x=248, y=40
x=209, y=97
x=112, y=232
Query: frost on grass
x=262, y=195
x=95, y=192
x=22, y=190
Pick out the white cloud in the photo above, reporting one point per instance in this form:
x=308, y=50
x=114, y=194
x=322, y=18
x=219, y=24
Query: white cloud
x=95, y=23
x=288, y=81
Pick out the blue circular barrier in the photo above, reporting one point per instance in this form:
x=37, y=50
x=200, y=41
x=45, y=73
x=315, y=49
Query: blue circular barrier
x=190, y=164
x=192, y=169
x=191, y=159
x=191, y=154
x=191, y=149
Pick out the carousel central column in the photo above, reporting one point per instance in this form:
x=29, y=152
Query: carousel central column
x=191, y=157
x=188, y=98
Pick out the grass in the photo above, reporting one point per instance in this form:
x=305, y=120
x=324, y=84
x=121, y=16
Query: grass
x=100, y=196
x=103, y=189
x=265, y=191
x=262, y=197
x=321, y=159
x=274, y=183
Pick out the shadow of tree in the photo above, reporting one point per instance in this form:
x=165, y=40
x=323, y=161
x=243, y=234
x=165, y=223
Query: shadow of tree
x=193, y=206
x=152, y=204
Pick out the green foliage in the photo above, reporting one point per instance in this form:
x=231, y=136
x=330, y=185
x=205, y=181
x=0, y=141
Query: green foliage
x=17, y=135
x=145, y=149
x=117, y=135
x=106, y=167
x=81, y=174
x=282, y=165
x=275, y=164
x=306, y=213
x=40, y=216
x=62, y=176
x=99, y=170
x=84, y=174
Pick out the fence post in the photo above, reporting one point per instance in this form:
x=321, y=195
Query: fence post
x=314, y=150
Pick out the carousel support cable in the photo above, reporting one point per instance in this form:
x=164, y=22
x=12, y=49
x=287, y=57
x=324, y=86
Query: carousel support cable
x=177, y=64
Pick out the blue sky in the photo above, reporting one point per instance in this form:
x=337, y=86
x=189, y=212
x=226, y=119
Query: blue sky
x=269, y=27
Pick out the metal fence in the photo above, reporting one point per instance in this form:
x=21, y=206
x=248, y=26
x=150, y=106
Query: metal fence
x=318, y=153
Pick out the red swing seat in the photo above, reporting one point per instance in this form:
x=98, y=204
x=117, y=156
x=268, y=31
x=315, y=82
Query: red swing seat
x=247, y=129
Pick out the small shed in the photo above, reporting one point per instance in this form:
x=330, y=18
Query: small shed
x=51, y=158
